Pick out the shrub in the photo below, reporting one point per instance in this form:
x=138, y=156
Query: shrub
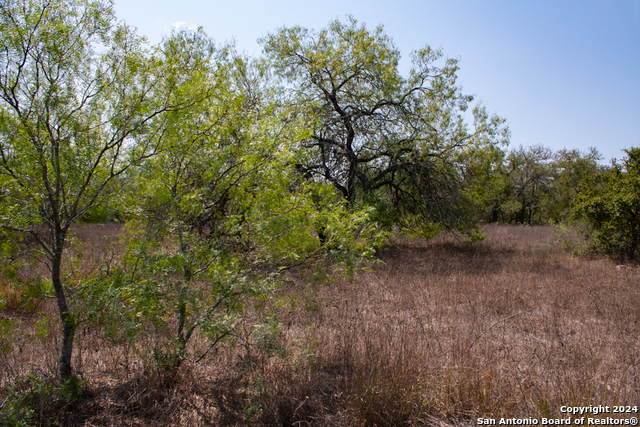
x=611, y=209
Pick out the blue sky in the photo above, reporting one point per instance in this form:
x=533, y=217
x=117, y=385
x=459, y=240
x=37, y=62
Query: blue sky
x=565, y=74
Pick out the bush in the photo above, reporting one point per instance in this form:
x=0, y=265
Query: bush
x=39, y=401
x=611, y=209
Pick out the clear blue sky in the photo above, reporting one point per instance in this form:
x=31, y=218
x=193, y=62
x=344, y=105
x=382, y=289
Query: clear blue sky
x=565, y=74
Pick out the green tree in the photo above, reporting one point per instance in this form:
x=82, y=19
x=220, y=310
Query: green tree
x=610, y=207
x=80, y=102
x=528, y=184
x=219, y=212
x=380, y=138
x=572, y=170
x=530, y=176
x=486, y=181
x=182, y=274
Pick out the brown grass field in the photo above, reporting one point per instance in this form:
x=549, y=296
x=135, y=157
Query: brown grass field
x=436, y=332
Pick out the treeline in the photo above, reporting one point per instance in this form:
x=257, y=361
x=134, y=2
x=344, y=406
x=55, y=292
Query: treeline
x=229, y=169
x=535, y=185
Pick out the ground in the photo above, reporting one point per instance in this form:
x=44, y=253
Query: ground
x=432, y=333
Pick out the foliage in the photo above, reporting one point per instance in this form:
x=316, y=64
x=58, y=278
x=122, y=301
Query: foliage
x=217, y=214
x=227, y=179
x=80, y=103
x=379, y=138
x=7, y=330
x=611, y=208
x=486, y=181
x=529, y=182
x=573, y=170
x=529, y=185
x=33, y=400
x=150, y=295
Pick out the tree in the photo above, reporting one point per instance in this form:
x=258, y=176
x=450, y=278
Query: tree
x=572, y=170
x=216, y=214
x=380, y=138
x=181, y=274
x=530, y=184
x=529, y=181
x=80, y=101
x=486, y=181
x=610, y=207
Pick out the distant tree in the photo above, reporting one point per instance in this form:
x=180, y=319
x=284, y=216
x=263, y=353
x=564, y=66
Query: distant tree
x=486, y=181
x=572, y=170
x=380, y=138
x=530, y=176
x=528, y=185
x=610, y=207
x=80, y=103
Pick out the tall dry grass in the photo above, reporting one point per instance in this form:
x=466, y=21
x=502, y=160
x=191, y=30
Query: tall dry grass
x=437, y=332
x=513, y=326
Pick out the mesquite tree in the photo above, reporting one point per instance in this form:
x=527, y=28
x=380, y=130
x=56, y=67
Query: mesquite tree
x=216, y=215
x=80, y=100
x=377, y=136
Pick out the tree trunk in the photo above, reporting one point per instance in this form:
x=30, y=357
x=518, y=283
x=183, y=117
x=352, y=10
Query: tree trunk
x=66, y=317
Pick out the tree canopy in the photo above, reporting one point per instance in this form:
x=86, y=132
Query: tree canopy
x=610, y=207
x=375, y=135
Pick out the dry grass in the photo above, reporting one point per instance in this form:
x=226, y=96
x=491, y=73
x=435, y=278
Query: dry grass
x=436, y=333
x=511, y=327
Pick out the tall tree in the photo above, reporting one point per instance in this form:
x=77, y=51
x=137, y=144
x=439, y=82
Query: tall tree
x=220, y=212
x=374, y=134
x=181, y=264
x=80, y=100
